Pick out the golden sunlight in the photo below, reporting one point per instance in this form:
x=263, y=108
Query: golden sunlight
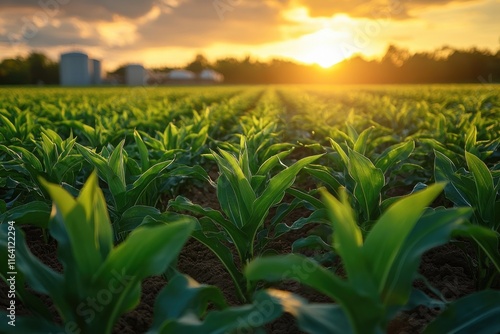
x=323, y=47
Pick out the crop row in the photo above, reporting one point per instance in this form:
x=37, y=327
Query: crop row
x=396, y=172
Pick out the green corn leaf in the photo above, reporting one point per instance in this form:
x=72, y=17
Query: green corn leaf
x=35, y=213
x=485, y=238
x=485, y=188
x=353, y=134
x=325, y=175
x=312, y=318
x=22, y=154
x=133, y=261
x=71, y=215
x=476, y=313
x=361, y=141
x=244, y=160
x=183, y=297
x=96, y=160
x=470, y=139
x=348, y=240
x=133, y=217
x=143, y=150
x=142, y=260
x=341, y=152
x=237, y=236
x=238, y=319
x=11, y=127
x=456, y=188
x=381, y=249
x=39, y=277
x=275, y=191
x=30, y=325
x=307, y=197
x=308, y=272
x=301, y=269
x=96, y=211
x=116, y=179
x=394, y=154
x=230, y=202
x=142, y=183
x=272, y=162
x=219, y=248
x=30, y=300
x=369, y=183
x=234, y=178
x=432, y=229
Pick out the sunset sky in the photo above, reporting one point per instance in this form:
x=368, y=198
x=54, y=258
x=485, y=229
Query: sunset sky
x=171, y=32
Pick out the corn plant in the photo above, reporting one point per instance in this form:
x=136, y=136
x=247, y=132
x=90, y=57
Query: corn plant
x=187, y=141
x=143, y=187
x=478, y=189
x=99, y=281
x=379, y=269
x=362, y=178
x=245, y=199
x=54, y=159
x=17, y=128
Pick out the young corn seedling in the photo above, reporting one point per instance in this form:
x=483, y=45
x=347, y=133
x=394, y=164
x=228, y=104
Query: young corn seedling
x=478, y=189
x=17, y=128
x=187, y=141
x=99, y=281
x=53, y=159
x=379, y=269
x=144, y=188
x=362, y=178
x=245, y=199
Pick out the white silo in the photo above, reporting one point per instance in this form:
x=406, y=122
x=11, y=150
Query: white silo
x=95, y=71
x=74, y=69
x=135, y=75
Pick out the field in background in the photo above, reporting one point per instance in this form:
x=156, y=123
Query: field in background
x=151, y=146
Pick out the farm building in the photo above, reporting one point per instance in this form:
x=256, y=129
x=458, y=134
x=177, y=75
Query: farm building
x=76, y=69
x=211, y=76
x=135, y=75
x=185, y=77
x=181, y=75
x=95, y=71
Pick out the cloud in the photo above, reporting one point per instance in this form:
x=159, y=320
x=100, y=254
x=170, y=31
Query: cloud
x=150, y=23
x=393, y=9
x=90, y=10
x=200, y=23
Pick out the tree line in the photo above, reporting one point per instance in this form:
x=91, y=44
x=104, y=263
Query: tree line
x=398, y=65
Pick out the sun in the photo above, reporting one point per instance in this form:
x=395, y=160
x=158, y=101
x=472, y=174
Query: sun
x=323, y=47
x=324, y=55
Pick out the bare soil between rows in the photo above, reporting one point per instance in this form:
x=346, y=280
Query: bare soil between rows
x=446, y=269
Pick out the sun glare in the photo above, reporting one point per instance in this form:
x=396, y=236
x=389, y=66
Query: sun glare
x=323, y=47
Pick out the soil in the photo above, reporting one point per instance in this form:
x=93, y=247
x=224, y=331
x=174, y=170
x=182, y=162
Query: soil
x=446, y=269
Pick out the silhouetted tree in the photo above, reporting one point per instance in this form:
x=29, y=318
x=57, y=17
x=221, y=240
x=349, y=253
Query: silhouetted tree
x=198, y=64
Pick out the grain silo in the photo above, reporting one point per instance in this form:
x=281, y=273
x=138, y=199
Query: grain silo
x=74, y=69
x=95, y=71
x=135, y=75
